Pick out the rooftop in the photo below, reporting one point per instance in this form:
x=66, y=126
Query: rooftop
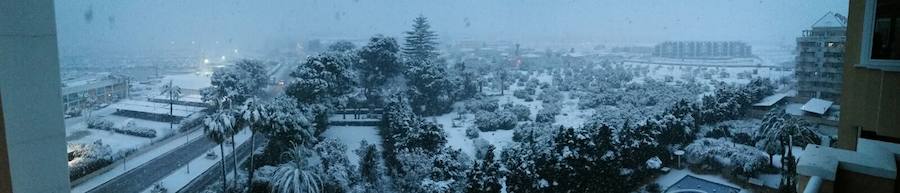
x=817, y=106
x=770, y=100
x=156, y=108
x=88, y=86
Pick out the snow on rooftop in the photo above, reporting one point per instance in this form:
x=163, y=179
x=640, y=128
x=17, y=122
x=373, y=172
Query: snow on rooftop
x=188, y=81
x=156, y=108
x=817, y=106
x=770, y=100
x=194, y=98
x=84, y=86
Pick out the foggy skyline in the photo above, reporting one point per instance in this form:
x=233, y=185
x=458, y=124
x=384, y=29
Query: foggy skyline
x=163, y=25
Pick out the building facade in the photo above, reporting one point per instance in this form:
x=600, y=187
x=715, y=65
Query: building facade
x=703, y=50
x=107, y=90
x=819, y=62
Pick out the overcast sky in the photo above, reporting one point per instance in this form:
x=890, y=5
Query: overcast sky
x=165, y=24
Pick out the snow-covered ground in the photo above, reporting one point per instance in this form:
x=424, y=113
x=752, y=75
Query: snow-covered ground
x=181, y=177
x=457, y=139
x=77, y=131
x=351, y=137
x=135, y=161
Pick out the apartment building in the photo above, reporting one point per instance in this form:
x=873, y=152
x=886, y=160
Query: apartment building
x=820, y=58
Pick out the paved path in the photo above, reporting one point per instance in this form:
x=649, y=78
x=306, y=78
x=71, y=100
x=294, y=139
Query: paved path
x=138, y=179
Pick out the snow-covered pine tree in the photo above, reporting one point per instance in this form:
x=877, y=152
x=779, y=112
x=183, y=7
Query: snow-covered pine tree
x=421, y=42
x=485, y=175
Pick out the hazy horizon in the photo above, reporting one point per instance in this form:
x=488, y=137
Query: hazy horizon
x=103, y=25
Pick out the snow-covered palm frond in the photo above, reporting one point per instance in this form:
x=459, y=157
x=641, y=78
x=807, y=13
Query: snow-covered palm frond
x=295, y=176
x=171, y=91
x=218, y=125
x=253, y=113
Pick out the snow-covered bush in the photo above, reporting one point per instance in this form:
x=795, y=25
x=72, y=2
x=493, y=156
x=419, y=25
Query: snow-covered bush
x=548, y=113
x=87, y=158
x=99, y=123
x=550, y=95
x=483, y=104
x=129, y=128
x=472, y=132
x=741, y=159
x=132, y=129
x=521, y=111
x=492, y=121
x=524, y=94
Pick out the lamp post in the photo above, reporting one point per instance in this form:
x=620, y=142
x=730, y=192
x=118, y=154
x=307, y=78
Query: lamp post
x=678, y=154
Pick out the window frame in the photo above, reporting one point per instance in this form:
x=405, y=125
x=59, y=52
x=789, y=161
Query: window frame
x=866, y=60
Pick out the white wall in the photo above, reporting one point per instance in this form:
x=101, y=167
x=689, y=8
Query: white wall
x=32, y=105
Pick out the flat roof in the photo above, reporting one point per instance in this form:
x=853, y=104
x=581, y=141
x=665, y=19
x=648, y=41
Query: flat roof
x=156, y=108
x=817, y=106
x=194, y=98
x=188, y=81
x=88, y=86
x=770, y=100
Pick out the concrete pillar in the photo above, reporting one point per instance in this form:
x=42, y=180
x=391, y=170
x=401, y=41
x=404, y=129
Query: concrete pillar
x=32, y=128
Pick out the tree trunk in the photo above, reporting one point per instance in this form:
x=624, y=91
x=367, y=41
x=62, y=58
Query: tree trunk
x=251, y=170
x=171, y=121
x=224, y=172
x=234, y=158
x=771, y=160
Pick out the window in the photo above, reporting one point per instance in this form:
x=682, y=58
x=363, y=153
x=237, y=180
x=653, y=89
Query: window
x=881, y=36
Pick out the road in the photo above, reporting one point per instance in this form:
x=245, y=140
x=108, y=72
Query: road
x=143, y=176
x=214, y=174
x=138, y=179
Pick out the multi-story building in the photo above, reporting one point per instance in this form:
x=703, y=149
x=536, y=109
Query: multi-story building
x=820, y=59
x=703, y=50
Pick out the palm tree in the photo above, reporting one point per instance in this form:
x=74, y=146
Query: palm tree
x=295, y=176
x=253, y=114
x=216, y=126
x=172, y=93
x=778, y=127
